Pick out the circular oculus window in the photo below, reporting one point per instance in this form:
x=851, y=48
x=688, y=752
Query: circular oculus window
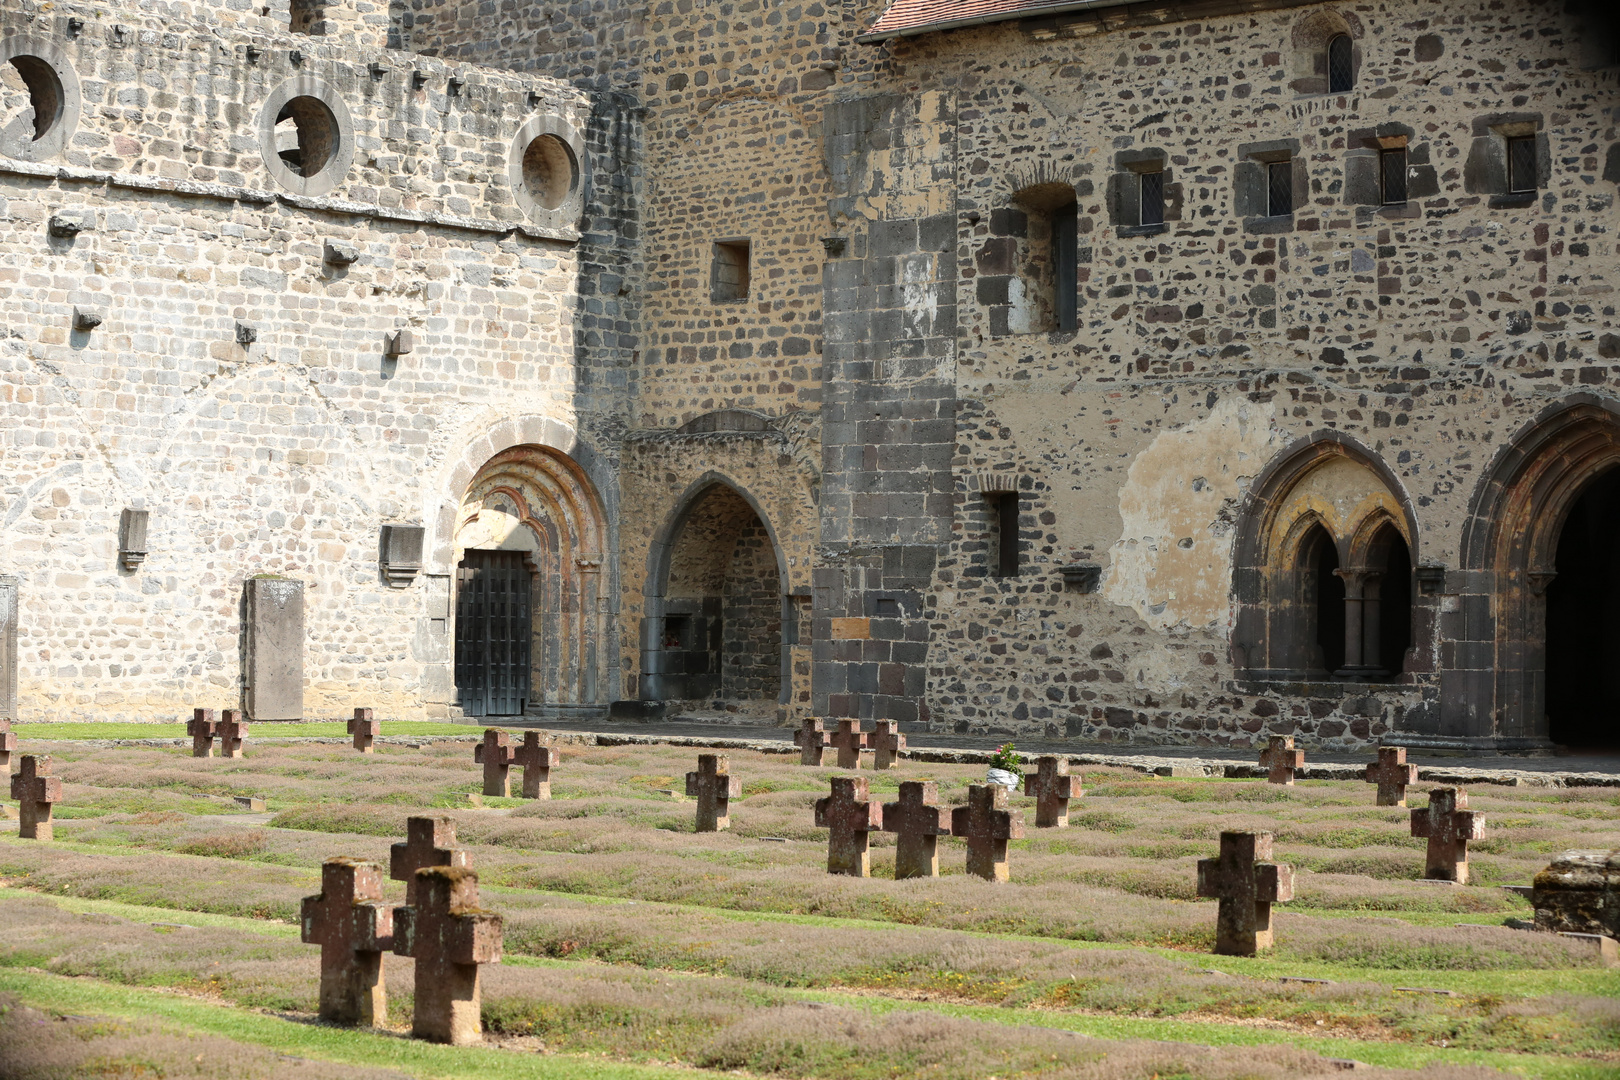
x=545, y=172
x=39, y=99
x=306, y=136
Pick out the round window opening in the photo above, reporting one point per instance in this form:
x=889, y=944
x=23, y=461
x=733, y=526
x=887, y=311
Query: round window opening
x=549, y=171
x=306, y=135
x=32, y=99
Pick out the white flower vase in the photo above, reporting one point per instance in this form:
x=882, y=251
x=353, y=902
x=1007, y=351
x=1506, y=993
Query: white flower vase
x=1008, y=780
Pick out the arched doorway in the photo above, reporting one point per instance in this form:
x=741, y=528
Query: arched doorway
x=715, y=607
x=1583, y=621
x=531, y=616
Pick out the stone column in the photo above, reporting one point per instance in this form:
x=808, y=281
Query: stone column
x=273, y=660
x=1361, y=623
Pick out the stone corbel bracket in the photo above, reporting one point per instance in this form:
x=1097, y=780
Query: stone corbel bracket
x=1081, y=577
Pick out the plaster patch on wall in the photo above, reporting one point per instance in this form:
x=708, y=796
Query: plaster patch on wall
x=1172, y=564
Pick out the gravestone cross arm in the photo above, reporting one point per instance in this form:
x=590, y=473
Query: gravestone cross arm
x=714, y=787
x=202, y=727
x=449, y=935
x=849, y=815
x=1448, y=825
x=850, y=741
x=987, y=824
x=887, y=743
x=354, y=927
x=37, y=792
x=811, y=739
x=233, y=732
x=1246, y=887
x=919, y=821
x=1052, y=786
x=496, y=755
x=1392, y=775
x=536, y=761
x=1282, y=759
x=429, y=842
x=365, y=727
x=8, y=746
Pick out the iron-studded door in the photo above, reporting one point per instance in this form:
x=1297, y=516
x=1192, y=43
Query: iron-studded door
x=492, y=633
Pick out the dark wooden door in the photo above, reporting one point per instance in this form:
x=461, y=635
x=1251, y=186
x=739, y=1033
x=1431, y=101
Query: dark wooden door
x=492, y=633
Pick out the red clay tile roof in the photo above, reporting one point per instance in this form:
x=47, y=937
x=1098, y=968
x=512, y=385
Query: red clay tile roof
x=903, y=18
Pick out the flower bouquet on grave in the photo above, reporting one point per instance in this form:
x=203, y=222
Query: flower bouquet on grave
x=1005, y=768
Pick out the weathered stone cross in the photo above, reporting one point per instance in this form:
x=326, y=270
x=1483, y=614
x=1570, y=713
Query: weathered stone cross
x=202, y=727
x=887, y=742
x=849, y=815
x=1449, y=825
x=449, y=935
x=8, y=746
x=1282, y=759
x=988, y=825
x=429, y=842
x=1052, y=787
x=37, y=792
x=1392, y=774
x=353, y=925
x=496, y=755
x=920, y=822
x=714, y=787
x=364, y=729
x=232, y=731
x=1246, y=888
x=850, y=740
x=811, y=739
x=536, y=761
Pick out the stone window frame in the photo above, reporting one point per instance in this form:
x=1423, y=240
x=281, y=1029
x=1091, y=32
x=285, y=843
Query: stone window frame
x=722, y=254
x=1250, y=180
x=565, y=214
x=1042, y=213
x=1310, y=39
x=1124, y=192
x=44, y=60
x=337, y=165
x=1486, y=171
x=1363, y=164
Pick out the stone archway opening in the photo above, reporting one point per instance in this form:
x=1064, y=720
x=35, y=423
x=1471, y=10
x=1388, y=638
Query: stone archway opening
x=1583, y=621
x=719, y=640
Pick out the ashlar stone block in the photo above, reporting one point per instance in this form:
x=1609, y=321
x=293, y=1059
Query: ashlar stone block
x=274, y=656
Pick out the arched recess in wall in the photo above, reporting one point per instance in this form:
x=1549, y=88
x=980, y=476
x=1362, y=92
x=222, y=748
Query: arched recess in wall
x=1323, y=579
x=715, y=610
x=1536, y=629
x=1326, y=52
x=531, y=592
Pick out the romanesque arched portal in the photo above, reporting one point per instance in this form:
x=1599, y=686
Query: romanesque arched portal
x=531, y=621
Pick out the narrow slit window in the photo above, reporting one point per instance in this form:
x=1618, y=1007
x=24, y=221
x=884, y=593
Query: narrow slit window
x=1521, y=162
x=1004, y=510
x=1392, y=168
x=1341, y=72
x=1280, y=188
x=1066, y=268
x=1152, y=198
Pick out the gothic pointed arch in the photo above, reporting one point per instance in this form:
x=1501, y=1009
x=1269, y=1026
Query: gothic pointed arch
x=530, y=550
x=1322, y=579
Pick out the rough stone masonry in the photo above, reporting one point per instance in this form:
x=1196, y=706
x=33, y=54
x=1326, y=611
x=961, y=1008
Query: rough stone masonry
x=1197, y=372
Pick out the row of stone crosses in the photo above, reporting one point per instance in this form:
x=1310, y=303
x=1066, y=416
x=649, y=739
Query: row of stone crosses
x=1241, y=878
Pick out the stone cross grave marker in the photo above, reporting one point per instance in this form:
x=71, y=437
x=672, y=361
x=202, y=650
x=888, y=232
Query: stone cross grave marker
x=714, y=787
x=1449, y=825
x=449, y=935
x=849, y=815
x=428, y=842
x=232, y=731
x=1392, y=774
x=850, y=740
x=536, y=761
x=8, y=746
x=887, y=742
x=364, y=727
x=987, y=824
x=1051, y=786
x=202, y=727
x=919, y=821
x=811, y=739
x=37, y=792
x=1246, y=886
x=354, y=926
x=1282, y=759
x=496, y=755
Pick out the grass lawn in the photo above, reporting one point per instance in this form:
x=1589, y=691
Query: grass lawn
x=53, y=730
x=635, y=943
